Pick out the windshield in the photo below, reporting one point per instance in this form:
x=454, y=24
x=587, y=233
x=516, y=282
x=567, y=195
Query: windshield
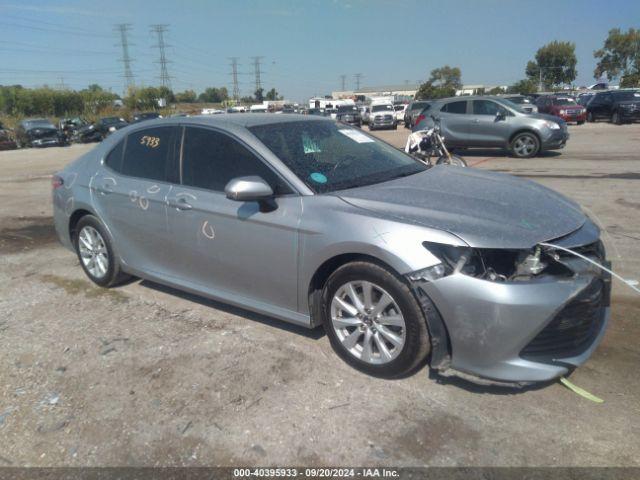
x=510, y=104
x=630, y=95
x=347, y=108
x=108, y=120
x=382, y=108
x=568, y=102
x=328, y=157
x=519, y=100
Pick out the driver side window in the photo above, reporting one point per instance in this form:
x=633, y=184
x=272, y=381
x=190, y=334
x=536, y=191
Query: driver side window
x=210, y=159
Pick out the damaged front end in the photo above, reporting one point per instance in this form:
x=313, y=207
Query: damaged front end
x=516, y=315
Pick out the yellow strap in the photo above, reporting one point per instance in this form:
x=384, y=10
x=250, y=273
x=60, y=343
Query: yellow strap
x=580, y=391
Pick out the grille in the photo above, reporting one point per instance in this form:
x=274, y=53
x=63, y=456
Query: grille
x=388, y=117
x=573, y=112
x=573, y=329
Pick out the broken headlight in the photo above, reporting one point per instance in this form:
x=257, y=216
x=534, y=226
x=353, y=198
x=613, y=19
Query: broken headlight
x=496, y=265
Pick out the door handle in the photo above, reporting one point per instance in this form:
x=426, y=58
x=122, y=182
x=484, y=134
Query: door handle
x=179, y=203
x=475, y=120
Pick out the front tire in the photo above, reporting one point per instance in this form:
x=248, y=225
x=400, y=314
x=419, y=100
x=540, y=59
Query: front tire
x=590, y=117
x=455, y=160
x=615, y=118
x=525, y=145
x=95, y=253
x=373, y=321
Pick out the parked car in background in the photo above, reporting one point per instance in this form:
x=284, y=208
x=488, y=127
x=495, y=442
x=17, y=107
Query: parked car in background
x=315, y=111
x=107, y=125
x=331, y=112
x=215, y=205
x=382, y=116
x=494, y=122
x=141, y=117
x=618, y=106
x=526, y=103
x=399, y=112
x=7, y=140
x=38, y=132
x=413, y=110
x=562, y=106
x=350, y=115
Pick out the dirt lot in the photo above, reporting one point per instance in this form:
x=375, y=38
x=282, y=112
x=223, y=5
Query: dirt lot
x=144, y=375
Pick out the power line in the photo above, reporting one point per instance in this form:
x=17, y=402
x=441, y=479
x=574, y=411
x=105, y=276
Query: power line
x=123, y=29
x=234, y=76
x=358, y=77
x=256, y=71
x=343, y=82
x=160, y=30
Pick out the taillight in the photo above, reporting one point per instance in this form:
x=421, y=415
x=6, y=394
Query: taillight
x=420, y=118
x=56, y=181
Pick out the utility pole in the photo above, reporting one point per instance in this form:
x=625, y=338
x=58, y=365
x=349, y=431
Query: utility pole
x=358, y=76
x=160, y=30
x=123, y=29
x=256, y=71
x=61, y=85
x=234, y=77
x=343, y=82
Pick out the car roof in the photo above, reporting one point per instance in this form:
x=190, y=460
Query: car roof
x=245, y=120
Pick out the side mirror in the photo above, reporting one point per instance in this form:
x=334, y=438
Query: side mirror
x=248, y=189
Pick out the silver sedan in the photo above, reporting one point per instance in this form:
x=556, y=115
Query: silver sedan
x=321, y=224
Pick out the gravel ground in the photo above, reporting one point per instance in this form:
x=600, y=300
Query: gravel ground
x=146, y=375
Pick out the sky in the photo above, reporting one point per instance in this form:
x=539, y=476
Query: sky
x=306, y=45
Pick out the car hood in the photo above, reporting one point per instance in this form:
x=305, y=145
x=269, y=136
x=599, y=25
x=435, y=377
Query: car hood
x=544, y=116
x=485, y=209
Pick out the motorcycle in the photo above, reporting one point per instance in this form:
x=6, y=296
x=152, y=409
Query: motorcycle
x=427, y=144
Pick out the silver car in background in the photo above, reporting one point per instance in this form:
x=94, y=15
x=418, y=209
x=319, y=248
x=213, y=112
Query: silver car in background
x=320, y=224
x=494, y=122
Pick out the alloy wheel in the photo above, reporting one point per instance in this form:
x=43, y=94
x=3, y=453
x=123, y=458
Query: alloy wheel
x=368, y=322
x=524, y=146
x=93, y=251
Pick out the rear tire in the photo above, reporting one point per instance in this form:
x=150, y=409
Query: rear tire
x=590, y=117
x=580, y=122
x=525, y=145
x=383, y=333
x=95, y=253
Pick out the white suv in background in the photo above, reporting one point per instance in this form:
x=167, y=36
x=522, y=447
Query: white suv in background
x=382, y=116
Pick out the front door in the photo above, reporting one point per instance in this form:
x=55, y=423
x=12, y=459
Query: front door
x=489, y=124
x=226, y=247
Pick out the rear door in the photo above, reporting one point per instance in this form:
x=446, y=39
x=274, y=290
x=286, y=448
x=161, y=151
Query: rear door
x=226, y=247
x=486, y=128
x=130, y=191
x=455, y=123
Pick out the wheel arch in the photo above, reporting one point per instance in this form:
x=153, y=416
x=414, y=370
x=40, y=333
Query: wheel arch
x=75, y=218
x=525, y=130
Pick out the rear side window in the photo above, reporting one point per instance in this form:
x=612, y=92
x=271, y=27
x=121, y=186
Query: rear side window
x=114, y=159
x=210, y=159
x=455, y=107
x=149, y=154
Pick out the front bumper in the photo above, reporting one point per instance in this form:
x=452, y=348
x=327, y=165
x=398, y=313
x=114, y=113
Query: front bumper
x=555, y=140
x=628, y=115
x=492, y=326
x=47, y=142
x=574, y=118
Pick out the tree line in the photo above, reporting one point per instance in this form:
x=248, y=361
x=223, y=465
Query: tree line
x=19, y=101
x=553, y=66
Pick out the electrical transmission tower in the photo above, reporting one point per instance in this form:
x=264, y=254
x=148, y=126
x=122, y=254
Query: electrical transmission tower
x=358, y=77
x=343, y=82
x=234, y=77
x=160, y=30
x=123, y=29
x=256, y=71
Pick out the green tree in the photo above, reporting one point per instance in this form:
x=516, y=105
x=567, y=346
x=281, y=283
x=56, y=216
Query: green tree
x=554, y=64
x=443, y=82
x=188, y=96
x=272, y=95
x=259, y=94
x=523, y=87
x=214, y=95
x=620, y=56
